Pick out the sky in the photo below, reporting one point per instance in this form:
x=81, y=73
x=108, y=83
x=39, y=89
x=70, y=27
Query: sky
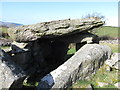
x=35, y=12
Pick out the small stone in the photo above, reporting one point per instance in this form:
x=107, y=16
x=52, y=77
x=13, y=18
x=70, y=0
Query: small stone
x=114, y=62
x=117, y=85
x=108, y=68
x=89, y=87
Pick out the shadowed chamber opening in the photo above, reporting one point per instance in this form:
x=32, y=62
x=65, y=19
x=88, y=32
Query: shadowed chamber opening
x=49, y=55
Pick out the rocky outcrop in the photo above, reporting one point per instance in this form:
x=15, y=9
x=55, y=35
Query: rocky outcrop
x=11, y=75
x=52, y=29
x=80, y=66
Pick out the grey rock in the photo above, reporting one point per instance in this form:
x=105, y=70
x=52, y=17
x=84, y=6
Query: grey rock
x=114, y=61
x=80, y=66
x=117, y=85
x=11, y=75
x=52, y=29
x=89, y=87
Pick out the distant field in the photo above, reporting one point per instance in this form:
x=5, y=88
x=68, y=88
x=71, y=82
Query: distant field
x=3, y=30
x=107, y=31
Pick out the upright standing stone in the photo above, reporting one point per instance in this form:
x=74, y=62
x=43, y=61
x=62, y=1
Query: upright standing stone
x=11, y=75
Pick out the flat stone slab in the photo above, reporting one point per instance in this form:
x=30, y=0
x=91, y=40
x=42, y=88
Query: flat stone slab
x=52, y=29
x=80, y=66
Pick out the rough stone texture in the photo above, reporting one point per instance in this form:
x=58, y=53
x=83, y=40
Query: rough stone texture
x=51, y=29
x=114, y=61
x=79, y=67
x=11, y=75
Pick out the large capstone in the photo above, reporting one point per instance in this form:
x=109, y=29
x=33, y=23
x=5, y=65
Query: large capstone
x=52, y=29
x=11, y=75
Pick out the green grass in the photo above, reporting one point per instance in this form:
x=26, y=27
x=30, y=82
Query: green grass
x=110, y=77
x=30, y=84
x=3, y=30
x=107, y=30
x=71, y=51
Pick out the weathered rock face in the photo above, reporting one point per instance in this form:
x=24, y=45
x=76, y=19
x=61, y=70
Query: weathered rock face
x=52, y=29
x=11, y=75
x=79, y=67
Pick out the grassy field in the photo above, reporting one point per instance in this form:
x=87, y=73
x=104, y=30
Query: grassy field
x=3, y=30
x=107, y=31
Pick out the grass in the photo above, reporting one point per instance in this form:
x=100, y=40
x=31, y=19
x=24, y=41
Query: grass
x=114, y=48
x=3, y=30
x=110, y=77
x=71, y=51
x=30, y=84
x=107, y=31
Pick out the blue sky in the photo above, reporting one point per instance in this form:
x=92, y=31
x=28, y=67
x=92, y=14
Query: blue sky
x=34, y=12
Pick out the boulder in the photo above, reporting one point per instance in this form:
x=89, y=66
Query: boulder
x=11, y=75
x=52, y=29
x=80, y=66
x=114, y=61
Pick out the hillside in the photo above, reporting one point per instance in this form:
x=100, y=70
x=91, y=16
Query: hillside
x=8, y=24
x=107, y=31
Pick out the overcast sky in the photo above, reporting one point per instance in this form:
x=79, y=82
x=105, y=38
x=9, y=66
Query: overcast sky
x=34, y=12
